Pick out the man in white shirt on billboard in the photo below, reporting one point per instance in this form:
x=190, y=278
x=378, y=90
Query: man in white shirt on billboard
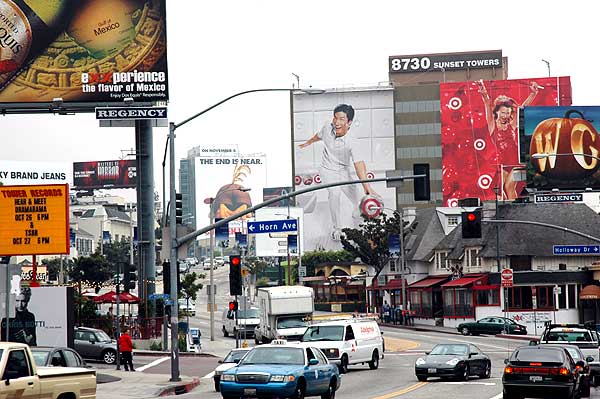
x=338, y=164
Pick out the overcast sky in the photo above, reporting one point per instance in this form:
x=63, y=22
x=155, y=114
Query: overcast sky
x=217, y=48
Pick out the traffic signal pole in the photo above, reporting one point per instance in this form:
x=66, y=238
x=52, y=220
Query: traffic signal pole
x=173, y=269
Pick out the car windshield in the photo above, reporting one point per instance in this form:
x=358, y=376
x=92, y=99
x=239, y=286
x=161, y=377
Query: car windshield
x=248, y=314
x=569, y=336
x=324, y=333
x=537, y=355
x=39, y=356
x=449, y=350
x=290, y=322
x=574, y=353
x=102, y=336
x=274, y=355
x=234, y=356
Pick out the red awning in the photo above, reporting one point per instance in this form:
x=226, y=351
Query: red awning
x=428, y=282
x=394, y=284
x=462, y=282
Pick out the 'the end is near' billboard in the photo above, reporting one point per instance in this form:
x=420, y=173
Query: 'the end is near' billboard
x=561, y=146
x=83, y=51
x=105, y=174
x=34, y=220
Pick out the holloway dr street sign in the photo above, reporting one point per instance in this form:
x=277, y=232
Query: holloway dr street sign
x=576, y=249
x=272, y=226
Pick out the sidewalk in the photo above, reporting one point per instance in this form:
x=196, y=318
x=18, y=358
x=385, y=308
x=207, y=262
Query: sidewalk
x=450, y=330
x=135, y=385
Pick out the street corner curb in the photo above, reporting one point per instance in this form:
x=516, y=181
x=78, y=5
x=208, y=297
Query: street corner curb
x=180, y=388
x=517, y=337
x=181, y=354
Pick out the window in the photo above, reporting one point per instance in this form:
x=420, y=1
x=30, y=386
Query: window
x=520, y=298
x=458, y=302
x=72, y=359
x=16, y=365
x=452, y=220
x=441, y=261
x=393, y=265
x=487, y=297
x=572, y=300
x=562, y=297
x=349, y=333
x=545, y=297
x=471, y=258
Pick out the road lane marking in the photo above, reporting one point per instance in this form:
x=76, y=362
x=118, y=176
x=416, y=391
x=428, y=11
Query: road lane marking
x=209, y=375
x=154, y=363
x=499, y=396
x=402, y=391
x=467, y=383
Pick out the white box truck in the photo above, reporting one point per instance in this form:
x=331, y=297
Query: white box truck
x=283, y=312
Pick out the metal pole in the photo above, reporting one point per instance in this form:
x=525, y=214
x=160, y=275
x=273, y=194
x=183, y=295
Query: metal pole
x=300, y=278
x=118, y=335
x=211, y=292
x=497, y=234
x=236, y=329
x=402, y=260
x=173, y=257
x=7, y=300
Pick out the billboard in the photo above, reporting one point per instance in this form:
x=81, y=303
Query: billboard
x=225, y=178
x=34, y=220
x=569, y=135
x=479, y=125
x=15, y=173
x=83, y=51
x=105, y=174
x=356, y=141
x=445, y=62
x=274, y=192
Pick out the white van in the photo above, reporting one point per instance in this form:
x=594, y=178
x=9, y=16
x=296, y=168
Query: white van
x=247, y=320
x=346, y=342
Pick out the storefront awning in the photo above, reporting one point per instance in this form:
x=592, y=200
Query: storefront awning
x=590, y=292
x=394, y=284
x=462, y=282
x=428, y=282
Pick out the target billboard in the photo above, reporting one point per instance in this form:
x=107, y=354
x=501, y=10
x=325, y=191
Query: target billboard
x=341, y=135
x=479, y=126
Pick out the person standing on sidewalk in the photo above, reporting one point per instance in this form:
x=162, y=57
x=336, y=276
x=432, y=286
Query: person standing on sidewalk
x=386, y=312
x=126, y=348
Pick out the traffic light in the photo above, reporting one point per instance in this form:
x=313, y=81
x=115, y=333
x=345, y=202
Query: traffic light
x=422, y=187
x=233, y=305
x=130, y=278
x=235, y=275
x=471, y=224
x=167, y=277
x=178, y=208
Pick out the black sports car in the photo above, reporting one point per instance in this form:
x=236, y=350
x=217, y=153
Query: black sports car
x=453, y=361
x=547, y=371
x=491, y=325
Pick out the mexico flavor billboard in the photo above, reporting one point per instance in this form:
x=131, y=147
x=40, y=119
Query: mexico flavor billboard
x=561, y=146
x=15, y=173
x=479, y=124
x=341, y=135
x=105, y=174
x=225, y=179
x=83, y=51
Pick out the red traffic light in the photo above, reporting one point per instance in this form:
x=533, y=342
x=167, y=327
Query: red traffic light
x=471, y=217
x=235, y=260
x=233, y=305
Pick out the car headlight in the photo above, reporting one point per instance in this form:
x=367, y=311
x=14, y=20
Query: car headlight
x=332, y=352
x=282, y=378
x=228, y=377
x=420, y=361
x=453, y=362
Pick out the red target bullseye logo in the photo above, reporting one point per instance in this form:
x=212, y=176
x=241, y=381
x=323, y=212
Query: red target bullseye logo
x=371, y=206
x=453, y=202
x=484, y=181
x=370, y=175
x=308, y=181
x=297, y=180
x=479, y=144
x=455, y=103
x=317, y=179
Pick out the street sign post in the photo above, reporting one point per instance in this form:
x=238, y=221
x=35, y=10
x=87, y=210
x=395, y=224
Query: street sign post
x=272, y=226
x=506, y=278
x=576, y=249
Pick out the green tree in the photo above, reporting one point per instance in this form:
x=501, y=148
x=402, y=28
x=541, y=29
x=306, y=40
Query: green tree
x=92, y=270
x=255, y=264
x=369, y=242
x=53, y=266
x=116, y=253
x=312, y=259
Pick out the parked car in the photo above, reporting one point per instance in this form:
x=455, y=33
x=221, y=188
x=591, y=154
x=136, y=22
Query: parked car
x=95, y=344
x=233, y=357
x=492, y=325
x=187, y=306
x=47, y=356
x=459, y=361
x=542, y=370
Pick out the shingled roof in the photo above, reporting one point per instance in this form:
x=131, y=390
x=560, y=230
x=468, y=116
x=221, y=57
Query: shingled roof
x=532, y=240
x=426, y=235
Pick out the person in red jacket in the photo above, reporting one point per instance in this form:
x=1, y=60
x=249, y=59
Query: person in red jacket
x=126, y=348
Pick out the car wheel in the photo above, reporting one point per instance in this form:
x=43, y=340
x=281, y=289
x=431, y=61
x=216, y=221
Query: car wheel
x=487, y=372
x=343, y=367
x=465, y=331
x=256, y=341
x=330, y=394
x=225, y=333
x=374, y=363
x=300, y=390
x=465, y=374
x=109, y=357
x=422, y=378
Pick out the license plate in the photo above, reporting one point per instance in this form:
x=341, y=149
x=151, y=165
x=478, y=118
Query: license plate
x=432, y=371
x=535, y=378
x=250, y=391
